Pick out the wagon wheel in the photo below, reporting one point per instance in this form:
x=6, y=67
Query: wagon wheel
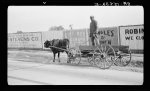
x=123, y=59
x=104, y=56
x=74, y=55
x=91, y=60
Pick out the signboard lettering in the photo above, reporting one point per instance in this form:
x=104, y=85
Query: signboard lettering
x=105, y=42
x=106, y=32
x=25, y=40
x=34, y=38
x=139, y=37
x=129, y=37
x=134, y=31
x=132, y=36
x=108, y=35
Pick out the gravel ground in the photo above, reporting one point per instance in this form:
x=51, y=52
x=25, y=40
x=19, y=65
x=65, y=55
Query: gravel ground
x=136, y=64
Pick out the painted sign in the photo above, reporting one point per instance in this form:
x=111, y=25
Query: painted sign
x=108, y=35
x=133, y=36
x=24, y=40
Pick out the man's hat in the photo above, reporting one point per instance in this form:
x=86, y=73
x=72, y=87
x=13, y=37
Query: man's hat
x=91, y=16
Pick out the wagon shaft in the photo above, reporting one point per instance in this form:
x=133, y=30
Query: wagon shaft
x=59, y=48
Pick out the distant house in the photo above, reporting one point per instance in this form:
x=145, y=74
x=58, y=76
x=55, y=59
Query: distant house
x=19, y=32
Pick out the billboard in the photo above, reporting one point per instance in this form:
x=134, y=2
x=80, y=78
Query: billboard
x=108, y=35
x=132, y=36
x=24, y=40
x=77, y=37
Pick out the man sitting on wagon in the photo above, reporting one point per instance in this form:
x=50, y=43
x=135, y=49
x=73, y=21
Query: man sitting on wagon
x=93, y=30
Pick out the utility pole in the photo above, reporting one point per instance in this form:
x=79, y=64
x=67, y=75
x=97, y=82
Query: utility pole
x=70, y=26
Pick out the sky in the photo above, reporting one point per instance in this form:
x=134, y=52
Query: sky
x=41, y=18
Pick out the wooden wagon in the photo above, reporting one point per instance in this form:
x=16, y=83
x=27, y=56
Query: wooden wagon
x=102, y=56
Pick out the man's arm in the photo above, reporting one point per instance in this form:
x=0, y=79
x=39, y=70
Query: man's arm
x=96, y=26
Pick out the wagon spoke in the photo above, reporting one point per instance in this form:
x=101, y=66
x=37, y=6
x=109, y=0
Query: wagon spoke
x=107, y=50
x=99, y=50
x=102, y=48
x=107, y=62
x=123, y=60
x=104, y=62
x=96, y=61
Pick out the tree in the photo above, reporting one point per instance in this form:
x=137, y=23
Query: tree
x=57, y=28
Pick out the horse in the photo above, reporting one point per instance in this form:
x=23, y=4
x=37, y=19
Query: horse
x=57, y=46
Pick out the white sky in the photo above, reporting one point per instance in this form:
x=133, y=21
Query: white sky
x=41, y=18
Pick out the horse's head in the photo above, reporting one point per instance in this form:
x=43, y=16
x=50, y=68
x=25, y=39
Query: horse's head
x=47, y=44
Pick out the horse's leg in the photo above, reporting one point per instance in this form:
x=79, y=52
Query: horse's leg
x=68, y=59
x=58, y=56
x=54, y=57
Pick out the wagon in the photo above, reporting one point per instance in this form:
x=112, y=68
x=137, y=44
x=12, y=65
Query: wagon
x=102, y=56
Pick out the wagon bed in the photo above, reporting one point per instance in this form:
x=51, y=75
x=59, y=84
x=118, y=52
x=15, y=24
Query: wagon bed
x=116, y=48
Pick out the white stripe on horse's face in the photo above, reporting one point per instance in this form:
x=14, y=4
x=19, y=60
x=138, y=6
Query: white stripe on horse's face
x=46, y=43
